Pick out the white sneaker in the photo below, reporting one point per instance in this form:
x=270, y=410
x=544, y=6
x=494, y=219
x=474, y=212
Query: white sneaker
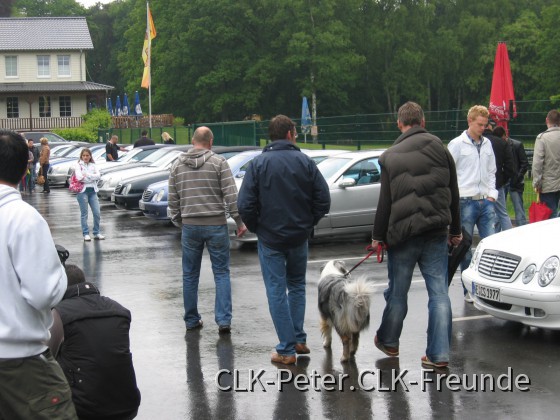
x=99, y=236
x=87, y=238
x=468, y=298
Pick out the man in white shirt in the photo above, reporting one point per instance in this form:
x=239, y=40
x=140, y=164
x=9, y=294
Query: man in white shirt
x=32, y=385
x=476, y=176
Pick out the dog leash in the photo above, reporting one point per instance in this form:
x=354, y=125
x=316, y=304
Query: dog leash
x=380, y=252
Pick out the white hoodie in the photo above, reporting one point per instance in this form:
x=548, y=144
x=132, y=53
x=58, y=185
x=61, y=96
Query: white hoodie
x=32, y=279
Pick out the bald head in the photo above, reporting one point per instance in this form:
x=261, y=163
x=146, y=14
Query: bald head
x=203, y=138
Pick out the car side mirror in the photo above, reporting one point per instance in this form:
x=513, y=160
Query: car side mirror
x=240, y=174
x=347, y=182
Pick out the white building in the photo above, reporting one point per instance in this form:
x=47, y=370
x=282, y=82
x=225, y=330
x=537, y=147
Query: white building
x=43, y=73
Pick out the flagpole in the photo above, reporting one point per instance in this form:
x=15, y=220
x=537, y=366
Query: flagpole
x=150, y=66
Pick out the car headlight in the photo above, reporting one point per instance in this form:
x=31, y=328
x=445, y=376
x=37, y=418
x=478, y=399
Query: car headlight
x=529, y=273
x=474, y=259
x=159, y=195
x=548, y=271
x=126, y=189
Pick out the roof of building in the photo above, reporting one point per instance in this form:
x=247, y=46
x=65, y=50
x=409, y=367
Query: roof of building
x=44, y=33
x=53, y=87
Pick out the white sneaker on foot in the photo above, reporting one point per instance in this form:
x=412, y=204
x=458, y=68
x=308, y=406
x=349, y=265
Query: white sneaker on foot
x=468, y=298
x=87, y=238
x=99, y=236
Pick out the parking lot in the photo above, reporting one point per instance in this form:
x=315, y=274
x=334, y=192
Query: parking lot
x=498, y=369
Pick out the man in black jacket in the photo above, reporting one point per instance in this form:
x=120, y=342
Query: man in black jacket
x=417, y=216
x=283, y=196
x=504, y=172
x=516, y=184
x=90, y=340
x=144, y=140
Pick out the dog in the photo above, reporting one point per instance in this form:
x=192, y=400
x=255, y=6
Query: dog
x=344, y=305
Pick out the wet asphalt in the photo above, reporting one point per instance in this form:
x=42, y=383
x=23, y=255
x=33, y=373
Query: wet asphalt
x=498, y=369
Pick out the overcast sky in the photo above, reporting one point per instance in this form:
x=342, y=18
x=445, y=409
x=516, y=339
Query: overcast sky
x=88, y=3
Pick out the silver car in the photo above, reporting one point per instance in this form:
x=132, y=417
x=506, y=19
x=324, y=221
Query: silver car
x=354, y=184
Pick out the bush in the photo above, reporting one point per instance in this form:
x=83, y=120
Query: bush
x=178, y=121
x=77, y=134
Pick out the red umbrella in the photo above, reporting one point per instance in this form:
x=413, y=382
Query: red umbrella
x=502, y=89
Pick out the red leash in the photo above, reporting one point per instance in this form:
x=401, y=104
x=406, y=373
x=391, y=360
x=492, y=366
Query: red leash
x=380, y=252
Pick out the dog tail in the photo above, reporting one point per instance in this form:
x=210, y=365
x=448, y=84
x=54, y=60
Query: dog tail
x=359, y=291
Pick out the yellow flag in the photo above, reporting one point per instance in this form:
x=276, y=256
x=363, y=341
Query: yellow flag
x=146, y=50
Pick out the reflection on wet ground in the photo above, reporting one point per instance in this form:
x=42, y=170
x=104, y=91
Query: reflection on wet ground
x=204, y=375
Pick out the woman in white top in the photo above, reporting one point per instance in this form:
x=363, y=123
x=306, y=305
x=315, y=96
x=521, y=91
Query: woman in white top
x=86, y=172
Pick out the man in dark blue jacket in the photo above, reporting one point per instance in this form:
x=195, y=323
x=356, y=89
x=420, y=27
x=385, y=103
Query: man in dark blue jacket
x=283, y=196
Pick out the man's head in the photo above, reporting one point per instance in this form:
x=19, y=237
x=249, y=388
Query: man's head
x=282, y=128
x=75, y=275
x=144, y=133
x=409, y=115
x=203, y=138
x=553, y=119
x=14, y=154
x=30, y=143
x=477, y=118
x=114, y=139
x=500, y=131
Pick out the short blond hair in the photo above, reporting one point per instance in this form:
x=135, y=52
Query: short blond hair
x=44, y=140
x=478, y=111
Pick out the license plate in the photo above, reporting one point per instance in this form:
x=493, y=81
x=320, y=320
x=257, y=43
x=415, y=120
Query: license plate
x=485, y=292
x=112, y=198
x=141, y=205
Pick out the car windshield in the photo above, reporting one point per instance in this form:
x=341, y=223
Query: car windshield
x=155, y=156
x=135, y=155
x=166, y=159
x=330, y=166
x=76, y=153
x=235, y=162
x=61, y=150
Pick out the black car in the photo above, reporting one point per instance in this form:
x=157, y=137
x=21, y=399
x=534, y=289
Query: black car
x=129, y=191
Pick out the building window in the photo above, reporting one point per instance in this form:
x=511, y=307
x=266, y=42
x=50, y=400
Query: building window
x=13, y=107
x=64, y=66
x=65, y=106
x=11, y=66
x=43, y=66
x=45, y=106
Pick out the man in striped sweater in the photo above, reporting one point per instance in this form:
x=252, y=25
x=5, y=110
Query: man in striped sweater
x=201, y=191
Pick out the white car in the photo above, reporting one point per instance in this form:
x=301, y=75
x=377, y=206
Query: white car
x=515, y=275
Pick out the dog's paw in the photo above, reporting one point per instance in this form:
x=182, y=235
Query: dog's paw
x=345, y=359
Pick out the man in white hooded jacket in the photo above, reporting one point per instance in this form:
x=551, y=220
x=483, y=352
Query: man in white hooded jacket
x=32, y=385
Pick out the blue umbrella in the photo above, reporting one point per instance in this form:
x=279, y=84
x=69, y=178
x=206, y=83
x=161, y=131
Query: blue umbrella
x=125, y=105
x=118, y=107
x=137, y=107
x=110, y=107
x=305, y=118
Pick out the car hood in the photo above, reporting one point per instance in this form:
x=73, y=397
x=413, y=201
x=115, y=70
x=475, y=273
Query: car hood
x=524, y=239
x=158, y=185
x=142, y=181
x=127, y=173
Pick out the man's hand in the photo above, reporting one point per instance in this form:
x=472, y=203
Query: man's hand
x=375, y=244
x=241, y=230
x=455, y=240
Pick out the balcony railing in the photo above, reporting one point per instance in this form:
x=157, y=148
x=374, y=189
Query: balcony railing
x=30, y=124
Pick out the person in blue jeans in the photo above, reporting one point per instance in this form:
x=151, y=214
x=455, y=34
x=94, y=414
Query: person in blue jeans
x=283, y=196
x=201, y=192
x=87, y=173
x=417, y=218
x=476, y=176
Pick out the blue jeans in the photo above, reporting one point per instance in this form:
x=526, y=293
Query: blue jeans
x=285, y=270
x=216, y=240
x=430, y=253
x=551, y=200
x=89, y=196
x=503, y=222
x=518, y=207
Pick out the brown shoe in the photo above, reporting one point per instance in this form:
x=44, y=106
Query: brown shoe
x=301, y=348
x=389, y=351
x=285, y=360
